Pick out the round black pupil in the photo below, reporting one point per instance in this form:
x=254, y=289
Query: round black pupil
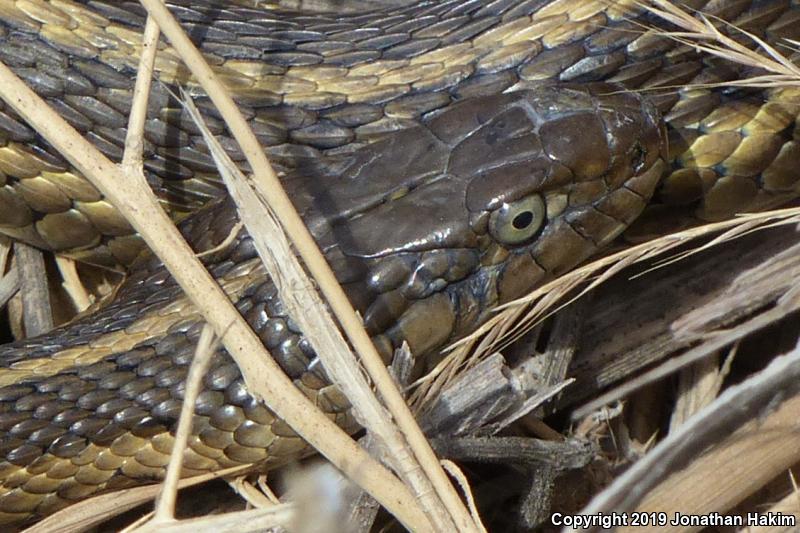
x=522, y=220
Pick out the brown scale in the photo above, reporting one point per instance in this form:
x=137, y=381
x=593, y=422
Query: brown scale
x=93, y=407
x=117, y=399
x=449, y=51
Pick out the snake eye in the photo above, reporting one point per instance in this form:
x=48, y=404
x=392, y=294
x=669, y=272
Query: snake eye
x=517, y=222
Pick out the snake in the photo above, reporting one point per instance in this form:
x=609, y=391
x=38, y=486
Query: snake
x=446, y=156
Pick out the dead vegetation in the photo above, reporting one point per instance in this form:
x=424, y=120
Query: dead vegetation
x=705, y=298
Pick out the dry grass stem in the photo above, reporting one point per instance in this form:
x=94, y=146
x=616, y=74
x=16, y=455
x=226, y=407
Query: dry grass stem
x=268, y=185
x=733, y=408
x=6, y=245
x=9, y=286
x=264, y=378
x=254, y=520
x=132, y=160
x=517, y=318
x=227, y=241
x=254, y=496
x=262, y=484
x=89, y=513
x=306, y=308
x=165, y=503
x=34, y=289
x=702, y=35
x=698, y=385
x=462, y=481
x=133, y=526
x=72, y=283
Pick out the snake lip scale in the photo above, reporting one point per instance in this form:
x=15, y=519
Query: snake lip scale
x=446, y=156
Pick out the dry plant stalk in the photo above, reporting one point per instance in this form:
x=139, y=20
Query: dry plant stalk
x=34, y=289
x=132, y=160
x=789, y=504
x=71, y=283
x=462, y=481
x=165, y=503
x=9, y=286
x=771, y=450
x=131, y=196
x=698, y=385
x=269, y=187
x=702, y=35
x=516, y=318
x=253, y=520
x=89, y=513
x=9, y=281
x=304, y=305
x=737, y=466
x=257, y=497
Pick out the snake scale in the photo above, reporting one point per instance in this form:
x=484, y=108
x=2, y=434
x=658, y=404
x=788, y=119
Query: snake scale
x=434, y=193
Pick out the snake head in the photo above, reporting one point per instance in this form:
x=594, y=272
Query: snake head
x=594, y=157
x=497, y=194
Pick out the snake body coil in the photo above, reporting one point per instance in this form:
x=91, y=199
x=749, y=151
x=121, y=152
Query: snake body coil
x=459, y=207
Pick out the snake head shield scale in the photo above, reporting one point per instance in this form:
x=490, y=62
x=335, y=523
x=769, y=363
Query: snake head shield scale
x=428, y=229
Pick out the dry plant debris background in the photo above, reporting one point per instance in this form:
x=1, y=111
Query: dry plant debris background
x=698, y=465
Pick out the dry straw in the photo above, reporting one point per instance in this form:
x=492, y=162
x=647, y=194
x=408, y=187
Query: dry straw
x=125, y=187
